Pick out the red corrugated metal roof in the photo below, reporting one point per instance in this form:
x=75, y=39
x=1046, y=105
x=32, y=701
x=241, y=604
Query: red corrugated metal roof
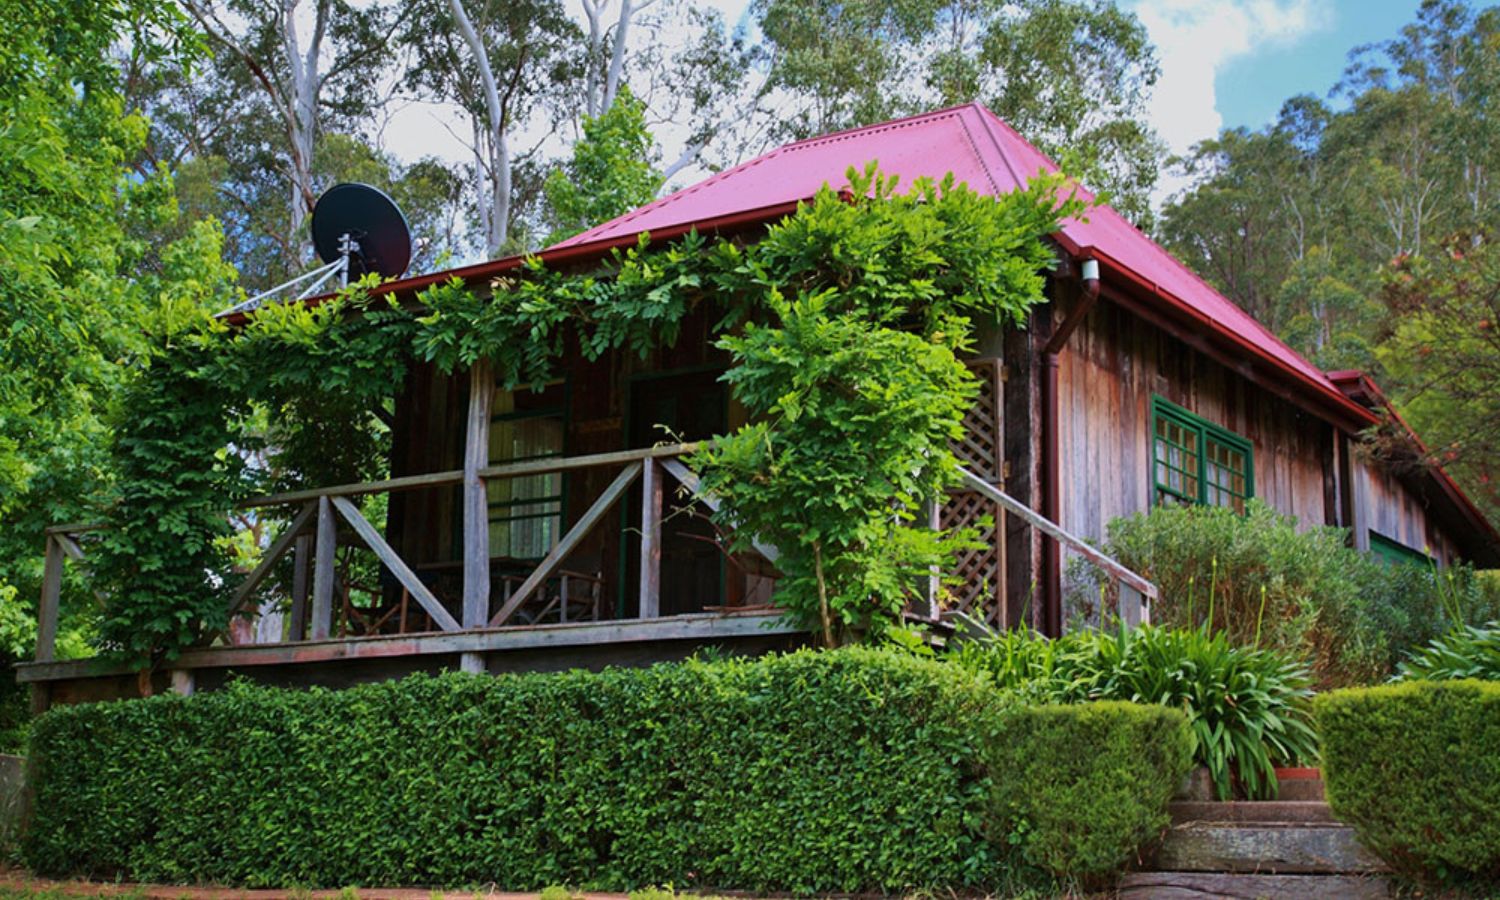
x=983, y=151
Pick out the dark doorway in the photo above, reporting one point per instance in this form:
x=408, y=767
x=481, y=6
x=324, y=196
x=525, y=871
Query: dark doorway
x=685, y=406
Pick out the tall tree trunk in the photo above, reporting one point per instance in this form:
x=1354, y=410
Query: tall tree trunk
x=302, y=120
x=601, y=88
x=499, y=149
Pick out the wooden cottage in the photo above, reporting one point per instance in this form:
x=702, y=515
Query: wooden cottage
x=547, y=529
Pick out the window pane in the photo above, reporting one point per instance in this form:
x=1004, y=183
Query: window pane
x=1225, y=474
x=1176, y=458
x=526, y=512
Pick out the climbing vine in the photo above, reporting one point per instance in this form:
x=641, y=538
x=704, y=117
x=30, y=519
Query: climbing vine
x=844, y=322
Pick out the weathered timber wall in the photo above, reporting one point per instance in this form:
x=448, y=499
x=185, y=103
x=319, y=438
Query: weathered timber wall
x=1397, y=512
x=1108, y=373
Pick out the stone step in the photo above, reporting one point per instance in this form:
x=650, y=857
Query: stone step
x=1218, y=886
x=1275, y=812
x=1299, y=789
x=1264, y=848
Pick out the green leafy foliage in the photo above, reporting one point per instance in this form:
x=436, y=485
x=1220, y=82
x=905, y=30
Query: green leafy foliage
x=191, y=416
x=1247, y=708
x=1265, y=581
x=855, y=392
x=811, y=772
x=1469, y=651
x=84, y=271
x=852, y=434
x=1442, y=353
x=1415, y=768
x=611, y=171
x=1111, y=765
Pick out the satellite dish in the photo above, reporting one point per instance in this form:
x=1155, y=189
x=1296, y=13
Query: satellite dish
x=363, y=223
x=357, y=230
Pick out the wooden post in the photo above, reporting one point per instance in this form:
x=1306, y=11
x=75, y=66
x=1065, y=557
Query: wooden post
x=1132, y=606
x=47, y=610
x=182, y=682
x=651, y=495
x=301, y=569
x=476, y=539
x=934, y=511
x=323, y=559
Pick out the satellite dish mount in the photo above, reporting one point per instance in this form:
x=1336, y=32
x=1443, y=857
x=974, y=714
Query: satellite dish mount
x=356, y=230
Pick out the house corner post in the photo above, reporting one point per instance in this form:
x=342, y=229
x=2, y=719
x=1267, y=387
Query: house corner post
x=476, y=514
x=47, y=609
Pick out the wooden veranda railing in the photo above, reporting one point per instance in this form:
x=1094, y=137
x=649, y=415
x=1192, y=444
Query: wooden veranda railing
x=313, y=536
x=1136, y=594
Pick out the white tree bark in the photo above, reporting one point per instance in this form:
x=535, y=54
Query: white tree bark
x=295, y=102
x=495, y=150
x=305, y=82
x=601, y=87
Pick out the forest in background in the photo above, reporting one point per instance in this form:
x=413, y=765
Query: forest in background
x=156, y=157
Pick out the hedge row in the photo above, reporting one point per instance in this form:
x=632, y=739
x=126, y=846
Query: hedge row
x=843, y=771
x=1415, y=768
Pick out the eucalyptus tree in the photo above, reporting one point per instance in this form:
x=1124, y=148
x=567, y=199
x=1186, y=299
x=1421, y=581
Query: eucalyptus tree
x=1073, y=76
x=305, y=62
x=1297, y=221
x=502, y=62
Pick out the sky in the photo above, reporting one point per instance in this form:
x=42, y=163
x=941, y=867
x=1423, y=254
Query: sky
x=1229, y=63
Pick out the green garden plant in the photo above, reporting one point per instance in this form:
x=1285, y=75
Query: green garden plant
x=1268, y=582
x=1469, y=651
x=1246, y=707
x=1112, y=765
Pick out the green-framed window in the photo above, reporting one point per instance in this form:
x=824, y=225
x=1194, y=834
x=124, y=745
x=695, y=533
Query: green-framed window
x=526, y=512
x=1196, y=461
x=1396, y=553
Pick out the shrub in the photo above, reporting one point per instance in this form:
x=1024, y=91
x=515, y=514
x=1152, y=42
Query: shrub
x=1111, y=765
x=1247, y=708
x=1415, y=768
x=1465, y=652
x=810, y=772
x=1267, y=582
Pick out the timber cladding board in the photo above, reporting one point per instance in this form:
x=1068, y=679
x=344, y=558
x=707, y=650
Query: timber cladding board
x=1107, y=376
x=1392, y=510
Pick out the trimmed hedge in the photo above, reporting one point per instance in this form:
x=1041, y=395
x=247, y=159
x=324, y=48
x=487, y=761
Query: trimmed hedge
x=809, y=772
x=1415, y=768
x=1079, y=789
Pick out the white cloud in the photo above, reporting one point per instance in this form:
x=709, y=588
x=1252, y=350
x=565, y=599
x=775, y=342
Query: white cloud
x=1195, y=39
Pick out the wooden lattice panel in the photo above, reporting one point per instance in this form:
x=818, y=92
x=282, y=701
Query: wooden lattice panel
x=980, y=573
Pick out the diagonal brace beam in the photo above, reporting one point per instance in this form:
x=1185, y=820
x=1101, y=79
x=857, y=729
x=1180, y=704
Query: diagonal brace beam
x=397, y=565
x=570, y=540
x=277, y=550
x=689, y=480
